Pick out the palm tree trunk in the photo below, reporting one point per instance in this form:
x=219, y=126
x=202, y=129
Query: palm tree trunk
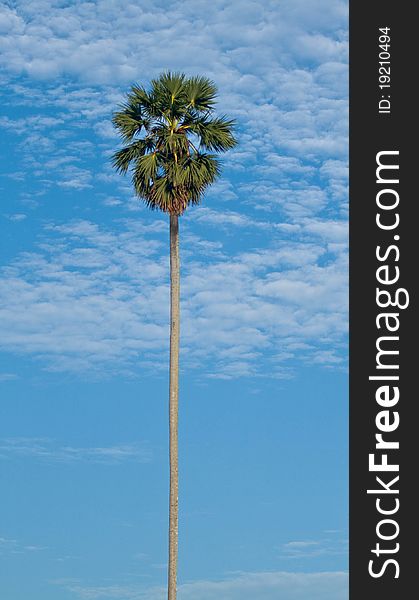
x=173, y=404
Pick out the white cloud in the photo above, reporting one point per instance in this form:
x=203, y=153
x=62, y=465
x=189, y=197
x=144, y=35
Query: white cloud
x=8, y=377
x=75, y=178
x=312, y=549
x=330, y=230
x=225, y=218
x=300, y=544
x=46, y=449
x=10, y=22
x=16, y=217
x=10, y=546
x=243, y=586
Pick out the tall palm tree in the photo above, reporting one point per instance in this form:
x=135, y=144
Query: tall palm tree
x=171, y=135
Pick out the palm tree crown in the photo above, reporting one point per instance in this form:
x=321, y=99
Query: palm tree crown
x=171, y=134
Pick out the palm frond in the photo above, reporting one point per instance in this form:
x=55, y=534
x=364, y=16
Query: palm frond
x=130, y=121
x=139, y=96
x=200, y=93
x=214, y=134
x=170, y=83
x=199, y=170
x=122, y=159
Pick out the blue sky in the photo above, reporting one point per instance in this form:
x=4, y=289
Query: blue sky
x=84, y=308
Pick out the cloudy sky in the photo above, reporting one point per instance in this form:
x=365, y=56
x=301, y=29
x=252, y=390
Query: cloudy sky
x=84, y=308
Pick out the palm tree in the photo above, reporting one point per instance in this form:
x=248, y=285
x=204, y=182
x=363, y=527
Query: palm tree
x=170, y=134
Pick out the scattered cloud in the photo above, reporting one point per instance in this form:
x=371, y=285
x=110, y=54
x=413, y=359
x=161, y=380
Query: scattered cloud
x=285, y=84
x=275, y=290
x=243, y=586
x=311, y=549
x=14, y=547
x=98, y=42
x=16, y=217
x=48, y=450
x=8, y=377
x=92, y=298
x=300, y=544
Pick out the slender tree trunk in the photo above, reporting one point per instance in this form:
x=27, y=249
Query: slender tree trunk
x=173, y=404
